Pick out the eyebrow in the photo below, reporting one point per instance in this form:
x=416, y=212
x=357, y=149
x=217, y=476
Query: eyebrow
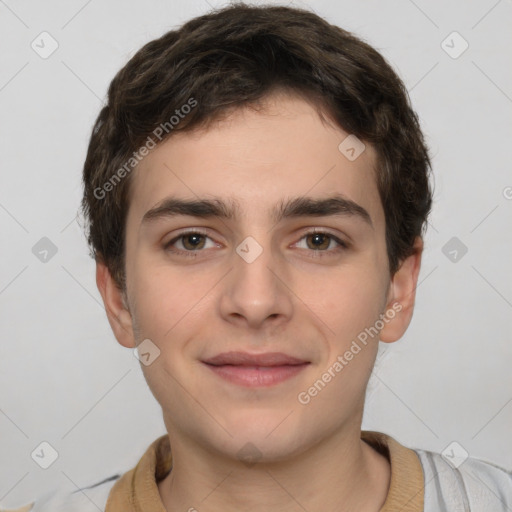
x=334, y=205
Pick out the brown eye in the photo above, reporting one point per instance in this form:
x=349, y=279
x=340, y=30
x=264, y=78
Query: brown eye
x=189, y=243
x=322, y=244
x=193, y=241
x=318, y=241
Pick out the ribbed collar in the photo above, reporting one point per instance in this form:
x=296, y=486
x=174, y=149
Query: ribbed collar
x=137, y=489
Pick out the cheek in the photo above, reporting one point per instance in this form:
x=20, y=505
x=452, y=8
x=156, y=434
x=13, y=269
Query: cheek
x=350, y=307
x=346, y=301
x=156, y=304
x=162, y=295
x=171, y=304
x=166, y=311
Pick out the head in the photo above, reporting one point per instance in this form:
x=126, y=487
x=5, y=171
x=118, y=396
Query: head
x=262, y=125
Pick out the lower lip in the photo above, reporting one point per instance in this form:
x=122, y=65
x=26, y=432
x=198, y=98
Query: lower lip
x=252, y=376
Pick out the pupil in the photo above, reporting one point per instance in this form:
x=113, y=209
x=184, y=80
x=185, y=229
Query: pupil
x=193, y=240
x=318, y=239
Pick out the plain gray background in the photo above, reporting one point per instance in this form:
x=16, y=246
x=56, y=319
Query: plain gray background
x=64, y=379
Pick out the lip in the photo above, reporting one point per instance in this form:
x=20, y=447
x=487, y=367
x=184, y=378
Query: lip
x=247, y=359
x=255, y=370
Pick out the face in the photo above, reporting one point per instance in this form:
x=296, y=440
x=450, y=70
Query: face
x=257, y=271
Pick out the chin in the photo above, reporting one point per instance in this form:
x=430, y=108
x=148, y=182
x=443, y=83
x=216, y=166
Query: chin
x=265, y=437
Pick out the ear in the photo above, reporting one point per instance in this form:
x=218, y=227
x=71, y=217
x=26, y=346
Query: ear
x=402, y=294
x=118, y=314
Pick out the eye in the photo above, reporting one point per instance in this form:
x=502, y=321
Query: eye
x=320, y=241
x=191, y=242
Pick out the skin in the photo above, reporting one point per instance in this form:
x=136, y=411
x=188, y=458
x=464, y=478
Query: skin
x=286, y=300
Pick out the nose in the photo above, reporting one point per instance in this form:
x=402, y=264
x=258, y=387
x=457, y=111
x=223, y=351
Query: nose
x=257, y=291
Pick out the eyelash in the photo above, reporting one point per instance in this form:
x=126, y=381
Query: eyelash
x=316, y=253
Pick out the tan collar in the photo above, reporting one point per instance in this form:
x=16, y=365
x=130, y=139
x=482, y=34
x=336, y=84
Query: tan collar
x=406, y=489
x=137, y=490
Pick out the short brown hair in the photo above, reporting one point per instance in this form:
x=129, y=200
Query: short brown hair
x=234, y=57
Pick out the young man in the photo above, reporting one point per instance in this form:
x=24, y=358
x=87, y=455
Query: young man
x=257, y=189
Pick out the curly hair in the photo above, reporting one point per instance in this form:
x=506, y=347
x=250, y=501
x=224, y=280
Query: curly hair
x=234, y=57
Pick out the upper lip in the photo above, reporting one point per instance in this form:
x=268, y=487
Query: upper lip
x=246, y=359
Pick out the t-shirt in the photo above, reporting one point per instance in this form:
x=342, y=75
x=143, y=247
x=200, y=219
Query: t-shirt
x=421, y=481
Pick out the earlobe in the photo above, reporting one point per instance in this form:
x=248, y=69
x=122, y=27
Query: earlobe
x=402, y=295
x=118, y=314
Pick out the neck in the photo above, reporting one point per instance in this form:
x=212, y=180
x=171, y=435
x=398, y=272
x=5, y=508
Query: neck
x=343, y=473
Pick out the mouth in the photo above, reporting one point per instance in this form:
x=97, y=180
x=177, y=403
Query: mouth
x=255, y=370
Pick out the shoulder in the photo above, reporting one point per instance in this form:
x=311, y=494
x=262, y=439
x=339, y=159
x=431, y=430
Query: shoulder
x=92, y=498
x=473, y=484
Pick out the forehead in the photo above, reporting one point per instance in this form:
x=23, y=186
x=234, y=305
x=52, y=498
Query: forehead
x=257, y=159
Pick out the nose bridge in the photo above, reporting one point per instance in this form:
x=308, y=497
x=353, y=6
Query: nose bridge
x=254, y=289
